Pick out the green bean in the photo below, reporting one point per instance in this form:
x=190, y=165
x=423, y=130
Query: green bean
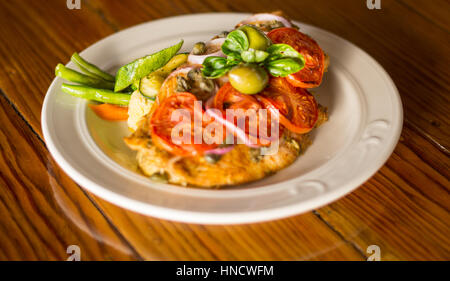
x=76, y=77
x=82, y=63
x=100, y=95
x=85, y=71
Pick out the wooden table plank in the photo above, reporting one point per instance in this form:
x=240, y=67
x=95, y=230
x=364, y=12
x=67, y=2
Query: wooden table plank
x=303, y=237
x=41, y=34
x=43, y=211
x=415, y=57
x=436, y=12
x=404, y=208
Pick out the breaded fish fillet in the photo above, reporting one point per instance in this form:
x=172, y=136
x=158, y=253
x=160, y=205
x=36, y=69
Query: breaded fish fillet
x=241, y=165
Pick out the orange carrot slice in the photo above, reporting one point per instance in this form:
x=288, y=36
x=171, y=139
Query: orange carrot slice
x=110, y=112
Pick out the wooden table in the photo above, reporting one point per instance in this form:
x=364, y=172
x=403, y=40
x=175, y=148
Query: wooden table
x=403, y=209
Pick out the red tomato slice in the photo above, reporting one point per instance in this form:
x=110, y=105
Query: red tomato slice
x=229, y=98
x=311, y=75
x=298, y=108
x=161, y=125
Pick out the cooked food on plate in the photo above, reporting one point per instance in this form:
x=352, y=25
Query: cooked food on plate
x=235, y=109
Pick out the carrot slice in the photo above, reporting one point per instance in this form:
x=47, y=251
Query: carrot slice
x=110, y=112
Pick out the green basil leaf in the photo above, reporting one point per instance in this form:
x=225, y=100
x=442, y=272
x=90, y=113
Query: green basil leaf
x=248, y=56
x=252, y=55
x=215, y=67
x=285, y=66
x=235, y=43
x=215, y=62
x=219, y=72
x=212, y=64
x=278, y=51
x=234, y=56
x=233, y=62
x=260, y=56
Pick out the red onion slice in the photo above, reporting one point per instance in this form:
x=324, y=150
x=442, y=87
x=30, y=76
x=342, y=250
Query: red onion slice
x=215, y=43
x=266, y=17
x=232, y=127
x=181, y=70
x=223, y=80
x=185, y=70
x=220, y=150
x=209, y=102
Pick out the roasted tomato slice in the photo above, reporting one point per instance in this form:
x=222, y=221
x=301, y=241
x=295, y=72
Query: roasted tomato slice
x=161, y=126
x=298, y=109
x=229, y=98
x=311, y=75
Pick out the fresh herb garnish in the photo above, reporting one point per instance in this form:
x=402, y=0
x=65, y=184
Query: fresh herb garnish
x=279, y=60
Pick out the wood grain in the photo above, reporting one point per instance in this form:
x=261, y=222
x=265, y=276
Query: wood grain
x=304, y=237
x=41, y=34
x=403, y=208
x=43, y=211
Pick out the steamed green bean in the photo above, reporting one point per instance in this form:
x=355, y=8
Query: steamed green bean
x=77, y=77
x=100, y=95
x=91, y=68
x=85, y=71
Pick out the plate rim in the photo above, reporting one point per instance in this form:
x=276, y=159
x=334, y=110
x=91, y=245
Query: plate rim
x=225, y=217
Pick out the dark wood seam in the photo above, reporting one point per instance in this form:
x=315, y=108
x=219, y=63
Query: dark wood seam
x=412, y=9
x=426, y=136
x=426, y=163
x=340, y=235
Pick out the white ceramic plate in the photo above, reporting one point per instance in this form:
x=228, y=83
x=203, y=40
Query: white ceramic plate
x=364, y=127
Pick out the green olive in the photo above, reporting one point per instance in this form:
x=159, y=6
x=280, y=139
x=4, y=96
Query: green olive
x=257, y=39
x=248, y=78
